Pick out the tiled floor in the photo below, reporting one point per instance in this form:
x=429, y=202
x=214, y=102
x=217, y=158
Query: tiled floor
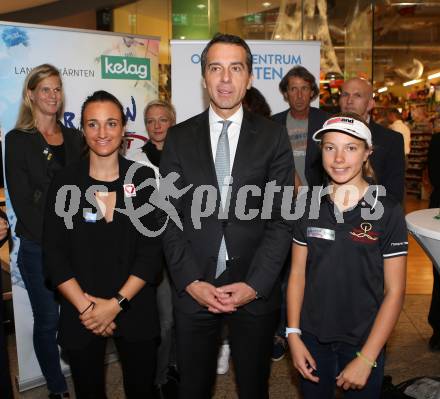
x=407, y=351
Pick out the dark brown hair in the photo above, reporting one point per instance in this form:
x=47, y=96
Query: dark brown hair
x=227, y=39
x=103, y=96
x=299, y=72
x=255, y=102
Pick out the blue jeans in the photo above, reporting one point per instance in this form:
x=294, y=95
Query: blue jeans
x=46, y=313
x=331, y=358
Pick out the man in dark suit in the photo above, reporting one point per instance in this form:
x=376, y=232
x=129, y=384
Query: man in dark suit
x=226, y=270
x=299, y=89
x=388, y=158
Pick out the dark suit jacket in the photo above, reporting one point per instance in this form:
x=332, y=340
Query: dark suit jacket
x=314, y=171
x=434, y=170
x=388, y=160
x=256, y=248
x=29, y=170
x=75, y=253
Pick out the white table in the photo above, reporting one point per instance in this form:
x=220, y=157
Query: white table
x=426, y=231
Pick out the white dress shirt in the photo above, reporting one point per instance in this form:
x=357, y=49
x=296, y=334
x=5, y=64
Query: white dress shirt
x=399, y=126
x=215, y=128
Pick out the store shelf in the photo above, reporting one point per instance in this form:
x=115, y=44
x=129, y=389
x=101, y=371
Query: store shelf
x=421, y=133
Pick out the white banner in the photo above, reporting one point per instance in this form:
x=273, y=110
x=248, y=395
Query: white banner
x=126, y=66
x=272, y=59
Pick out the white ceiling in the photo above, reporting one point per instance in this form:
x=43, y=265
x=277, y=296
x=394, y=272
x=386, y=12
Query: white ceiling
x=14, y=5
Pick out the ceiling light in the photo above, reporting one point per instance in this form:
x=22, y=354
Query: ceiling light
x=405, y=4
x=434, y=75
x=201, y=6
x=412, y=82
x=382, y=89
x=277, y=36
x=182, y=37
x=266, y=4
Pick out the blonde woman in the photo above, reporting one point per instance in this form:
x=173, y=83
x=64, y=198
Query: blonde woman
x=38, y=147
x=159, y=116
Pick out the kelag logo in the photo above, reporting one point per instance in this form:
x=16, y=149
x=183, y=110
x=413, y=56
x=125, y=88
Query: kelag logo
x=132, y=68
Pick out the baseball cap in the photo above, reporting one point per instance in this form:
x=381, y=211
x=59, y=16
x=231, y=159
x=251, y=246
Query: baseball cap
x=347, y=125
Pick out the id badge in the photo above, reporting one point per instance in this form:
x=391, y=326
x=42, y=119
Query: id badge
x=317, y=232
x=90, y=217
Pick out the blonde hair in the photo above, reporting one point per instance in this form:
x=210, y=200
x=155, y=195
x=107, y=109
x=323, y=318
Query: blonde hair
x=368, y=171
x=159, y=103
x=26, y=117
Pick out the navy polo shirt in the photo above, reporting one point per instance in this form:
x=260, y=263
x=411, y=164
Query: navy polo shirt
x=344, y=273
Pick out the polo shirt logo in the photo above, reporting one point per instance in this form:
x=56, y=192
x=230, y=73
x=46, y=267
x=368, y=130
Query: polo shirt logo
x=364, y=233
x=129, y=190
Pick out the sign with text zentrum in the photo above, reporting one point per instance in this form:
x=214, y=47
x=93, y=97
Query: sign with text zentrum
x=271, y=60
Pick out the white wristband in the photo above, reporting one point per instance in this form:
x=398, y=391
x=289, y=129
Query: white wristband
x=292, y=330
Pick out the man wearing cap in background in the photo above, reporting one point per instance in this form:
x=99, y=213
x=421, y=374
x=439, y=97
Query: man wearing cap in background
x=388, y=157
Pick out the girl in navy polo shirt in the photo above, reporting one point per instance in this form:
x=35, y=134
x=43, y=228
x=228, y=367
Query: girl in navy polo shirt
x=347, y=282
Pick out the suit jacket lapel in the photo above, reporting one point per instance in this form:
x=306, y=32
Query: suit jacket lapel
x=245, y=142
x=241, y=160
x=203, y=140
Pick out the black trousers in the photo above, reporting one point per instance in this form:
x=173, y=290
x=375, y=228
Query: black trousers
x=138, y=361
x=434, y=309
x=5, y=377
x=198, y=339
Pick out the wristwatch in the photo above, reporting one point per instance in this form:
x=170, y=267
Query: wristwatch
x=124, y=303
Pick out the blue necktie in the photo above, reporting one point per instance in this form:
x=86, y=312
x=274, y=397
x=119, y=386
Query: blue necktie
x=222, y=166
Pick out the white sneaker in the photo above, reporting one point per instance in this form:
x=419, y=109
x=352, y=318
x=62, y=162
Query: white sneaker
x=223, y=359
